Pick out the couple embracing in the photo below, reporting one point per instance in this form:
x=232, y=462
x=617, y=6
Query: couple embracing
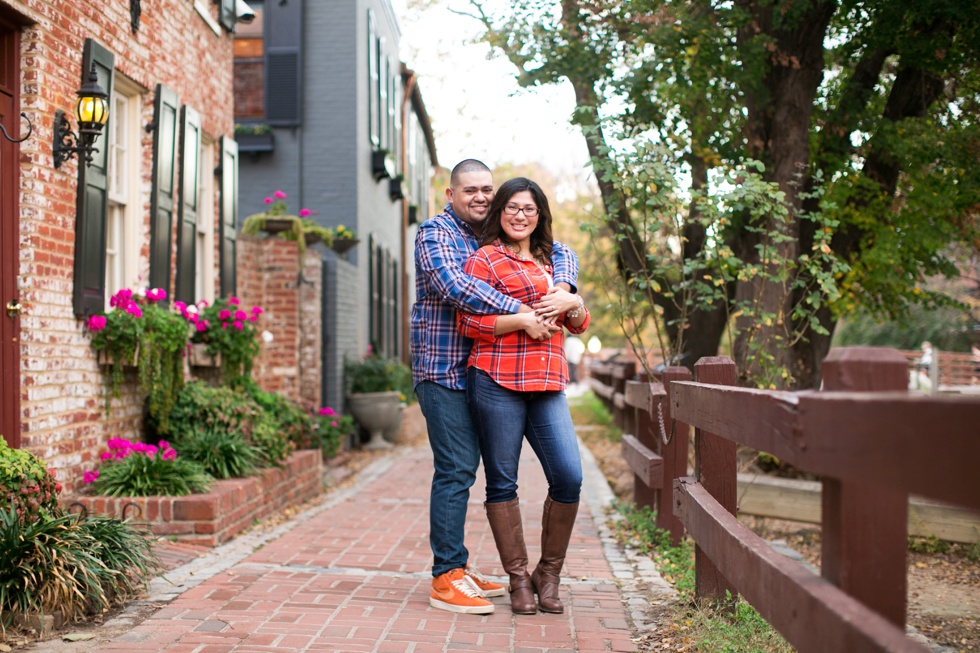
x=494, y=294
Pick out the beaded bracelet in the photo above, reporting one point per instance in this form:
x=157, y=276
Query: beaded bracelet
x=578, y=309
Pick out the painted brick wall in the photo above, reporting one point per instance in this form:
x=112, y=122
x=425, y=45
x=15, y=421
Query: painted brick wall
x=342, y=337
x=62, y=385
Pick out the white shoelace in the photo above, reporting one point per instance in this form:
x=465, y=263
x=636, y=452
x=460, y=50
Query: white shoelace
x=466, y=587
x=475, y=573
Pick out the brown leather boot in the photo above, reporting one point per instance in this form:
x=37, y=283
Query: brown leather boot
x=508, y=533
x=556, y=524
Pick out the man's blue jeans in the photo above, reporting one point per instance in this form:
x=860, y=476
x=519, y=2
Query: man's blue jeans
x=456, y=457
x=503, y=417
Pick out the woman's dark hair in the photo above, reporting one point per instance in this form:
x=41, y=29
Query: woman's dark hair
x=542, y=242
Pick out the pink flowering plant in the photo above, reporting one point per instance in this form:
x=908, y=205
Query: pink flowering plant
x=302, y=228
x=229, y=330
x=333, y=430
x=138, y=469
x=141, y=327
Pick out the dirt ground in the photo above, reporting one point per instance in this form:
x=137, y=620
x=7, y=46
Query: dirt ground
x=943, y=587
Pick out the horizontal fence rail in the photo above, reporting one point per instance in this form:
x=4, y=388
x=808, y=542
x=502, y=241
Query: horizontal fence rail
x=872, y=443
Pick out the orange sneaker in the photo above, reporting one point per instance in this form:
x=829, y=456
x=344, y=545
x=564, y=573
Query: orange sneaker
x=484, y=584
x=454, y=592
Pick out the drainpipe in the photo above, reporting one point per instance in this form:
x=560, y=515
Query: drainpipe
x=406, y=100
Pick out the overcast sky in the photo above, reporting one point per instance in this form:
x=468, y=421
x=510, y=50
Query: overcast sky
x=477, y=108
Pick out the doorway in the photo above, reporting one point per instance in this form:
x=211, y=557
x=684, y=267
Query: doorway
x=10, y=426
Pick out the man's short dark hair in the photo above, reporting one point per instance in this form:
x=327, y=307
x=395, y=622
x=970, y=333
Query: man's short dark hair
x=464, y=166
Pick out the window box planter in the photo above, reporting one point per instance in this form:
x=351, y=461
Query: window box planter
x=395, y=188
x=341, y=245
x=229, y=508
x=198, y=356
x=382, y=165
x=256, y=143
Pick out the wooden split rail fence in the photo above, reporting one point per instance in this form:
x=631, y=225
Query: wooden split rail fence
x=870, y=441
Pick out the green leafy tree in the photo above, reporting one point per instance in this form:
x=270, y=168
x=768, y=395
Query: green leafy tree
x=849, y=129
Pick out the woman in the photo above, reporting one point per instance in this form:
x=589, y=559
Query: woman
x=515, y=384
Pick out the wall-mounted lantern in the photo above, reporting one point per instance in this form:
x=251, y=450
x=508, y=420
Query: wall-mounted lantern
x=91, y=112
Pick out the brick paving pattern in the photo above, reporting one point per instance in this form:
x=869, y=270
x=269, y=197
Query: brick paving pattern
x=354, y=576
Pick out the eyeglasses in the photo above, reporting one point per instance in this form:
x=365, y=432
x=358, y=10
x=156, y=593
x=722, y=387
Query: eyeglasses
x=513, y=209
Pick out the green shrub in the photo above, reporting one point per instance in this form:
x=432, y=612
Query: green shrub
x=25, y=484
x=125, y=551
x=138, y=470
x=222, y=453
x=46, y=565
x=200, y=406
x=294, y=420
x=375, y=373
x=69, y=564
x=270, y=441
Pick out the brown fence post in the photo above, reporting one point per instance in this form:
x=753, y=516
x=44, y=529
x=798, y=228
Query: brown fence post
x=714, y=468
x=674, y=454
x=864, y=541
x=621, y=372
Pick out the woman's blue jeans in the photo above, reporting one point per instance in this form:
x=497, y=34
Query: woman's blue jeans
x=455, y=457
x=503, y=417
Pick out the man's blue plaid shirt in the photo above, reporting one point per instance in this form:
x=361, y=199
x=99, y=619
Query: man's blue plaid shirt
x=442, y=245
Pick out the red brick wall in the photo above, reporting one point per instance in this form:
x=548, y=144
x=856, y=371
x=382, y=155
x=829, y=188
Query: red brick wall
x=62, y=385
x=290, y=363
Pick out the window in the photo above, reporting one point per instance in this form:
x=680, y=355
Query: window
x=124, y=207
x=374, y=85
x=204, y=251
x=250, y=67
x=383, y=292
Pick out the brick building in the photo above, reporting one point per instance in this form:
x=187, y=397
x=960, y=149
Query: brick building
x=156, y=207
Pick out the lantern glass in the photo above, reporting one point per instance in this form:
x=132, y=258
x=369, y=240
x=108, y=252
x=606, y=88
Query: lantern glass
x=92, y=109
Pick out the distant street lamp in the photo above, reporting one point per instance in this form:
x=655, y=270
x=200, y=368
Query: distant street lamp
x=595, y=345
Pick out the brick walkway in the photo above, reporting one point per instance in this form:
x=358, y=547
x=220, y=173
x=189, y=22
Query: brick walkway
x=352, y=574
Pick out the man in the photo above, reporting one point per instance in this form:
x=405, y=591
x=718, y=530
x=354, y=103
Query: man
x=439, y=356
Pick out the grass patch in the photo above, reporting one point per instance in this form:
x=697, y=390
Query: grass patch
x=587, y=409
x=704, y=627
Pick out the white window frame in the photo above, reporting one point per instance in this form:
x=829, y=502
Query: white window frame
x=204, y=270
x=124, y=168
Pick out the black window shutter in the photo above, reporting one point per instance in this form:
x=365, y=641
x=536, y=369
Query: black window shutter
x=190, y=154
x=229, y=214
x=283, y=63
x=163, y=193
x=227, y=15
x=88, y=293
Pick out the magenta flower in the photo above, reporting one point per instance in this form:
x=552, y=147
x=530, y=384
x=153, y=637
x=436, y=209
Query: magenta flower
x=192, y=317
x=202, y=326
x=327, y=410
x=169, y=454
x=90, y=476
x=133, y=309
x=241, y=315
x=224, y=325
x=96, y=323
x=254, y=318
x=225, y=314
x=156, y=294
x=268, y=200
x=121, y=298
x=106, y=455
x=304, y=212
x=279, y=195
x=257, y=311
x=180, y=307
x=234, y=301
x=238, y=325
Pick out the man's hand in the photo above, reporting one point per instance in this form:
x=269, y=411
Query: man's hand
x=556, y=302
